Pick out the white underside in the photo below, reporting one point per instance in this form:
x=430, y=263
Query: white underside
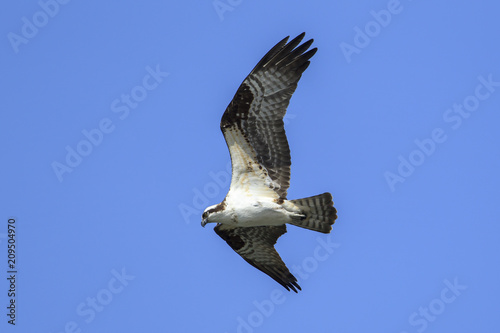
x=251, y=200
x=251, y=212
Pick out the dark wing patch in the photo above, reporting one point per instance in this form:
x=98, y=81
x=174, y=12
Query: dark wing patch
x=256, y=246
x=259, y=105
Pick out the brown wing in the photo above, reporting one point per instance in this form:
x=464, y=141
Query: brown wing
x=256, y=246
x=253, y=122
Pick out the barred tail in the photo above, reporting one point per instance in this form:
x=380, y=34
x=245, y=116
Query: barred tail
x=319, y=213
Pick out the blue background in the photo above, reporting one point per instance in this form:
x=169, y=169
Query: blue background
x=418, y=253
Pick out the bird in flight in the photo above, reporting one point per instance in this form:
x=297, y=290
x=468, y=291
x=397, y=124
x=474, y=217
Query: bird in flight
x=255, y=211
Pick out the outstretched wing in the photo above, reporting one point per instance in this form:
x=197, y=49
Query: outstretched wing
x=253, y=122
x=256, y=246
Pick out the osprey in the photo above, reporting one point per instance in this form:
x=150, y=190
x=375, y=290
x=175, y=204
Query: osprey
x=255, y=211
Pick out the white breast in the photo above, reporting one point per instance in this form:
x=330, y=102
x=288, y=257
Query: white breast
x=248, y=212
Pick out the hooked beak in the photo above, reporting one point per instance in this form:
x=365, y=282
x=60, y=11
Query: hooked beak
x=204, y=223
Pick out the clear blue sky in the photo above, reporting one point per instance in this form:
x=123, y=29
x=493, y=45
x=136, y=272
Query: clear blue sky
x=111, y=150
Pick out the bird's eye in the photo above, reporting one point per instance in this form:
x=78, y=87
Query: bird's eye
x=204, y=216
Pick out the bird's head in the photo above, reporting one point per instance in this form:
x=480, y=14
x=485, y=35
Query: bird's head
x=212, y=214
